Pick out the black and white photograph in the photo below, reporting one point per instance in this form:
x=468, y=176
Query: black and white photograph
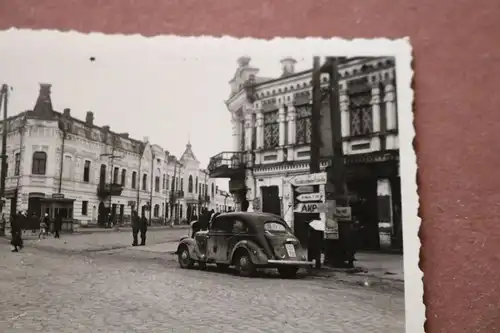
x=207, y=184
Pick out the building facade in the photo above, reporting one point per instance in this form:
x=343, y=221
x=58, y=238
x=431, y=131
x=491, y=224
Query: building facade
x=58, y=164
x=271, y=130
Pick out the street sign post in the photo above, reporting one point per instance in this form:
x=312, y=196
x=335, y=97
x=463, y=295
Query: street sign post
x=304, y=189
x=310, y=197
x=309, y=179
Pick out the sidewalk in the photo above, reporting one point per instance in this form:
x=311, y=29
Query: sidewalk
x=92, y=230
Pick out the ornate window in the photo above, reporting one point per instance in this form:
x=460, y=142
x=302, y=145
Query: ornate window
x=124, y=177
x=157, y=184
x=271, y=129
x=303, y=124
x=39, y=166
x=242, y=135
x=164, y=182
x=102, y=175
x=190, y=184
x=134, y=179
x=167, y=182
x=17, y=164
x=360, y=111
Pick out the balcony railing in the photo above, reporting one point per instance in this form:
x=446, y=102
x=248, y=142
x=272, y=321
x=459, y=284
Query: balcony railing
x=105, y=190
x=204, y=198
x=226, y=164
x=178, y=194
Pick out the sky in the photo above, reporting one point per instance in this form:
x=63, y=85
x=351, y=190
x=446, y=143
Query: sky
x=149, y=87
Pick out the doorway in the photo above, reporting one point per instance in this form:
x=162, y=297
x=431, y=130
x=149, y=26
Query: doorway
x=271, y=202
x=102, y=212
x=364, y=209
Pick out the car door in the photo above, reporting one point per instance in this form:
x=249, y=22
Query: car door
x=217, y=239
x=238, y=233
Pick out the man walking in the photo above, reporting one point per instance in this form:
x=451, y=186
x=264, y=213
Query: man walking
x=136, y=226
x=16, y=232
x=143, y=229
x=44, y=226
x=57, y=225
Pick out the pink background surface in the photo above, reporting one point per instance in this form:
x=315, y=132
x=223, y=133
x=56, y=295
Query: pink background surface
x=457, y=63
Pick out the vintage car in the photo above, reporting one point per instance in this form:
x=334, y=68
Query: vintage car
x=247, y=241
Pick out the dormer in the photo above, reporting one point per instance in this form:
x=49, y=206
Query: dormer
x=244, y=73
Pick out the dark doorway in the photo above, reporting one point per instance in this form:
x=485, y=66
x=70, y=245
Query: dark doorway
x=301, y=226
x=122, y=212
x=364, y=208
x=271, y=202
x=102, y=212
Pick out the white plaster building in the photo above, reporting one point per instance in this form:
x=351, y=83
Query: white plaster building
x=60, y=164
x=271, y=120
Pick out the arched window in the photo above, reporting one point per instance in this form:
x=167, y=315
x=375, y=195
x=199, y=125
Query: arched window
x=124, y=177
x=196, y=188
x=144, y=182
x=190, y=184
x=167, y=182
x=102, y=175
x=213, y=194
x=39, y=166
x=134, y=179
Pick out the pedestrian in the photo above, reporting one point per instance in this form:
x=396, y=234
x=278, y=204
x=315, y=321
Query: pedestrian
x=16, y=232
x=136, y=226
x=57, y=225
x=244, y=205
x=44, y=226
x=35, y=223
x=143, y=229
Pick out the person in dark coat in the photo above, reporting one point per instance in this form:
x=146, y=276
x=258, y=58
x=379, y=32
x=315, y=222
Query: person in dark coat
x=143, y=229
x=136, y=226
x=35, y=223
x=16, y=232
x=57, y=225
x=244, y=205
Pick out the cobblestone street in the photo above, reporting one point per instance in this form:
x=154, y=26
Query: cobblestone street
x=129, y=289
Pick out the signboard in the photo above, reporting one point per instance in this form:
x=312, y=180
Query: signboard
x=310, y=179
x=57, y=196
x=331, y=229
x=343, y=213
x=316, y=207
x=304, y=189
x=310, y=197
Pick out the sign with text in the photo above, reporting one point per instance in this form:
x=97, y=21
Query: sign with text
x=310, y=179
x=310, y=197
x=316, y=207
x=304, y=189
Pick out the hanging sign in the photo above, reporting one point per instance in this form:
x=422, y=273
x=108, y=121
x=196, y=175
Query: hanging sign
x=310, y=197
x=316, y=207
x=310, y=179
x=343, y=213
x=304, y=189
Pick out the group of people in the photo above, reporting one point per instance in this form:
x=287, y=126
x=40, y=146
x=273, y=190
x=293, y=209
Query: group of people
x=21, y=221
x=203, y=222
x=139, y=225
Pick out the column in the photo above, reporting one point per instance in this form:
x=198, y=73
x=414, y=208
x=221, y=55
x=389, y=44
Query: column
x=390, y=106
x=250, y=194
x=248, y=129
x=344, y=113
x=376, y=107
x=282, y=120
x=260, y=129
x=291, y=123
x=235, y=121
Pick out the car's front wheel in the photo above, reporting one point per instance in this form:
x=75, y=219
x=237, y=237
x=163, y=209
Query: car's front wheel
x=288, y=272
x=185, y=260
x=244, y=265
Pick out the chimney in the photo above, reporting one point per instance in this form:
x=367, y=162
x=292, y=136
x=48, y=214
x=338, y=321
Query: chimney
x=125, y=135
x=243, y=61
x=89, y=119
x=67, y=113
x=288, y=64
x=105, y=128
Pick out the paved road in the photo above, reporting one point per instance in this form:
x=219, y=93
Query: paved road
x=135, y=290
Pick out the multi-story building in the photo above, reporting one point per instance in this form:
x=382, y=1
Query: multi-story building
x=271, y=120
x=58, y=164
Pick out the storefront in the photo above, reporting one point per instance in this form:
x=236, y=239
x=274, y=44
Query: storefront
x=54, y=205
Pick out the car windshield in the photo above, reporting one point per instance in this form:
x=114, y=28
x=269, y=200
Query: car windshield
x=275, y=227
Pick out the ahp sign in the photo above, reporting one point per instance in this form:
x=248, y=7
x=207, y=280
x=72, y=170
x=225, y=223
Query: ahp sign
x=315, y=207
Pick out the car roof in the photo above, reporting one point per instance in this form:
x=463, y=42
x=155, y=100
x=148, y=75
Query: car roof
x=253, y=217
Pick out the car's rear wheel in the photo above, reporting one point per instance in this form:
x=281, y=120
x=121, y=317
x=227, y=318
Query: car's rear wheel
x=185, y=260
x=288, y=272
x=244, y=265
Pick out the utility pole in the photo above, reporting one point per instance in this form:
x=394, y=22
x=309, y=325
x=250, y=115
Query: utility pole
x=112, y=158
x=314, y=165
x=4, y=92
x=173, y=192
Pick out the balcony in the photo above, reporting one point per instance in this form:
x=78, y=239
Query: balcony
x=227, y=165
x=105, y=190
x=204, y=198
x=178, y=194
